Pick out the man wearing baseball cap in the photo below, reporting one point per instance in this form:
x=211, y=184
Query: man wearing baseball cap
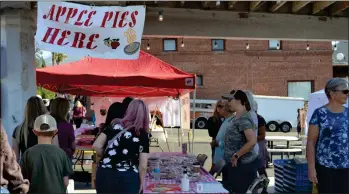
x=45, y=165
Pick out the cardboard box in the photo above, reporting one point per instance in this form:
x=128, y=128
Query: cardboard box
x=94, y=169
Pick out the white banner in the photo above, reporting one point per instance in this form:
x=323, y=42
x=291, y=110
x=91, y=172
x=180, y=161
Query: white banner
x=104, y=32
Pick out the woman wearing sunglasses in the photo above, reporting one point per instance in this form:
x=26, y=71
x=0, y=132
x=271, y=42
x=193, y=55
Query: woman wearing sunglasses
x=327, y=144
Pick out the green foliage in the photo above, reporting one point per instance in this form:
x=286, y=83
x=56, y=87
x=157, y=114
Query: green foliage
x=41, y=63
x=58, y=58
x=39, y=59
x=44, y=93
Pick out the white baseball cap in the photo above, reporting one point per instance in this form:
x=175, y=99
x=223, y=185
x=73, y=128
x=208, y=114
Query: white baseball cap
x=45, y=123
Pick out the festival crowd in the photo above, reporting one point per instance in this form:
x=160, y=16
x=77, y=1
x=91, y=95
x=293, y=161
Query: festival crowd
x=40, y=158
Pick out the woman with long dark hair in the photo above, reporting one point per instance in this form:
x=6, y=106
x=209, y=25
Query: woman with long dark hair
x=213, y=125
x=124, y=147
x=66, y=137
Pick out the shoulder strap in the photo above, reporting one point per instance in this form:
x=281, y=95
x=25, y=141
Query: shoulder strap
x=115, y=137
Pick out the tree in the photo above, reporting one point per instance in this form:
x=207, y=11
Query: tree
x=57, y=58
x=39, y=59
x=40, y=63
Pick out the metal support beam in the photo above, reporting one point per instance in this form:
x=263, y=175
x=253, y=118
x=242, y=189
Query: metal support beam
x=277, y=6
x=231, y=4
x=321, y=5
x=254, y=5
x=179, y=22
x=297, y=5
x=205, y=4
x=339, y=6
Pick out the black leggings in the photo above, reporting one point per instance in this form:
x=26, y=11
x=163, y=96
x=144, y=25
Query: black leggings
x=332, y=180
x=77, y=122
x=241, y=177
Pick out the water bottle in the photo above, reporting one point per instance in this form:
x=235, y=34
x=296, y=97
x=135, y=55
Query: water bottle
x=156, y=172
x=185, y=186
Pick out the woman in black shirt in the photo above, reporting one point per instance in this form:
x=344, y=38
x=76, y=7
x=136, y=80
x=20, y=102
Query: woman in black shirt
x=213, y=125
x=23, y=136
x=123, y=164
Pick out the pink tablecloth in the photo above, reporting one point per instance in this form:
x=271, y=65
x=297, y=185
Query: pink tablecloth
x=205, y=177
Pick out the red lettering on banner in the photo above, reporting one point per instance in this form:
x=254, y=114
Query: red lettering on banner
x=60, y=12
x=89, y=17
x=53, y=36
x=123, y=17
x=107, y=17
x=133, y=18
x=78, y=40
x=78, y=22
x=64, y=35
x=91, y=41
x=71, y=13
x=50, y=13
x=116, y=18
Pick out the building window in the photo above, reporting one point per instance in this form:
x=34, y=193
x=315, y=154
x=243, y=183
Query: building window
x=274, y=45
x=300, y=89
x=218, y=45
x=199, y=80
x=170, y=44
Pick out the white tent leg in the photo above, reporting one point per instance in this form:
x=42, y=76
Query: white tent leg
x=193, y=123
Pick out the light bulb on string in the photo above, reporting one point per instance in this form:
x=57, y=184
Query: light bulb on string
x=247, y=46
x=161, y=17
x=308, y=47
x=278, y=46
x=215, y=44
x=182, y=43
x=148, y=46
x=218, y=3
x=335, y=47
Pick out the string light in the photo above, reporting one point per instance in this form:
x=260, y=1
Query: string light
x=218, y=3
x=308, y=47
x=247, y=46
x=278, y=46
x=335, y=46
x=161, y=17
x=148, y=46
x=215, y=44
x=182, y=44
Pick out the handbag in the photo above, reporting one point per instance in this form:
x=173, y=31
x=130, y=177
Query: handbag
x=115, y=137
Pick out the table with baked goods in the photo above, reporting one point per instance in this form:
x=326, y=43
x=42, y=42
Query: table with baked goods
x=172, y=165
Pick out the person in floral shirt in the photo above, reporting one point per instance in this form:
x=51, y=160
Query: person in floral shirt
x=327, y=146
x=123, y=163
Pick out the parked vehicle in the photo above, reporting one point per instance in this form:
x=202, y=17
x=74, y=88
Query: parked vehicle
x=280, y=113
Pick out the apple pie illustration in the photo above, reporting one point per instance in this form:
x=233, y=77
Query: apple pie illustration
x=132, y=46
x=112, y=43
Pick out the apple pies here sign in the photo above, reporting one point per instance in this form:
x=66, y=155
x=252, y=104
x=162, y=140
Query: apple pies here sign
x=81, y=30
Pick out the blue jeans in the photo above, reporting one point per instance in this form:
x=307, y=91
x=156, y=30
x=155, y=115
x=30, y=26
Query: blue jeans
x=4, y=190
x=114, y=181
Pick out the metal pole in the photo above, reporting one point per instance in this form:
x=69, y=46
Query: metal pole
x=193, y=123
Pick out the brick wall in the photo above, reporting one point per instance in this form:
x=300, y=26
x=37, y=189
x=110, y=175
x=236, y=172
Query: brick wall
x=262, y=71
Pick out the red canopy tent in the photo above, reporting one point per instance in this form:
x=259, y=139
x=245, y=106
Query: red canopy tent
x=147, y=76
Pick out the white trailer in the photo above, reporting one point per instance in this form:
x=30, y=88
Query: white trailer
x=280, y=113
